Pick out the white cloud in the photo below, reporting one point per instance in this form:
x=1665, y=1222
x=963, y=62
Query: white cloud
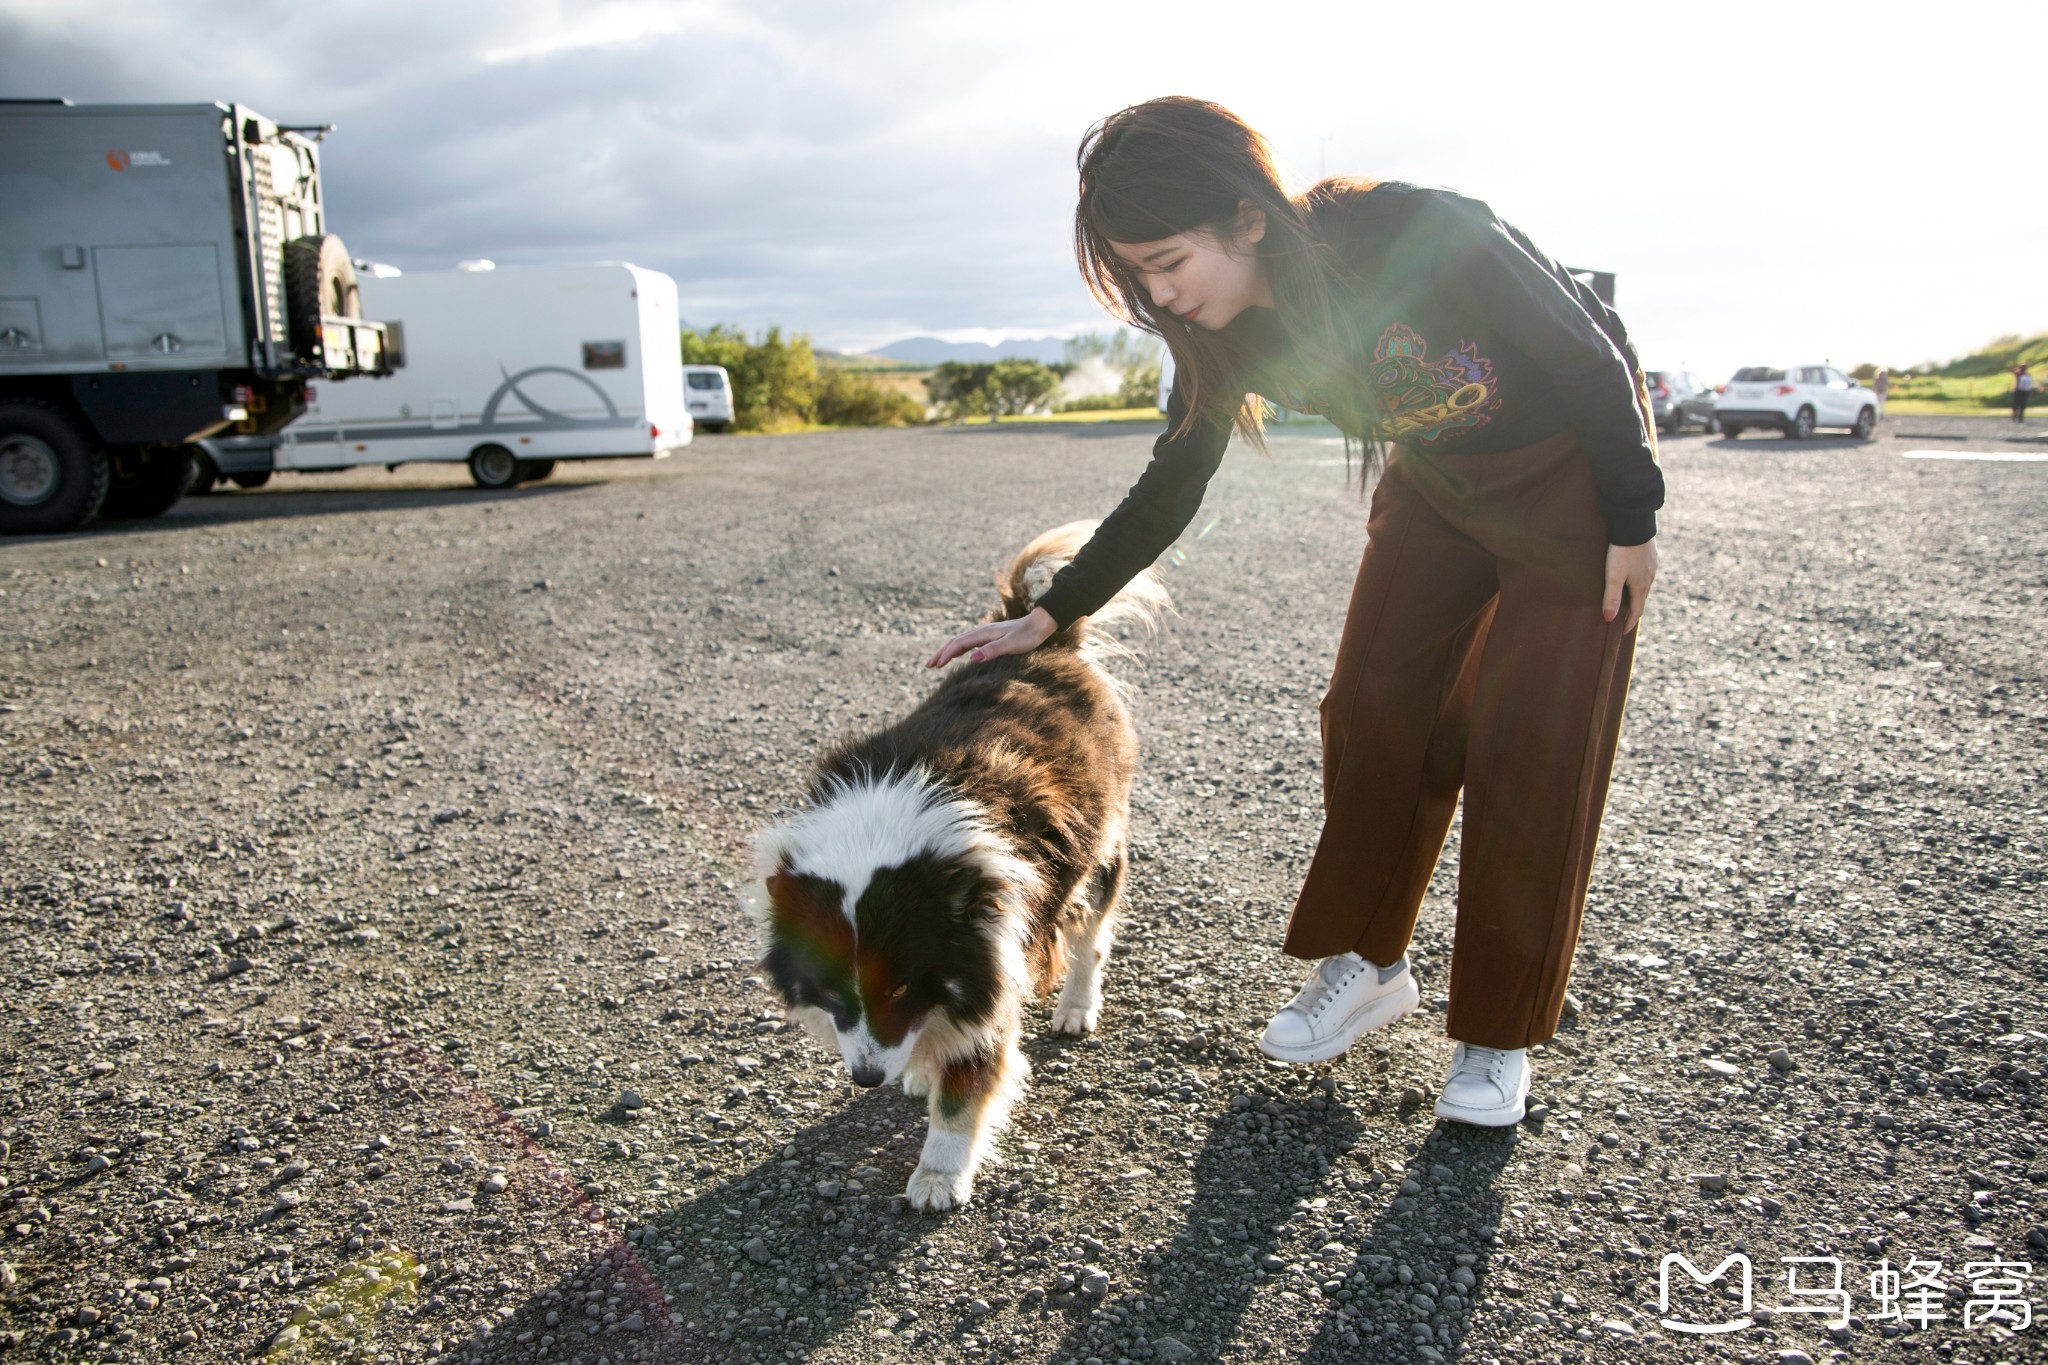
x=1765, y=182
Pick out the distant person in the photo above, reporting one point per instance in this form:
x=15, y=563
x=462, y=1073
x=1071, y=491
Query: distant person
x=2022, y=390
x=1511, y=543
x=1881, y=387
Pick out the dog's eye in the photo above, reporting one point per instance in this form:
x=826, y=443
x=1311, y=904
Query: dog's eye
x=898, y=994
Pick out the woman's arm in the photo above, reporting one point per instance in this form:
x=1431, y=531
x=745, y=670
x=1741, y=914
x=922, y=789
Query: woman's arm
x=1494, y=271
x=1150, y=518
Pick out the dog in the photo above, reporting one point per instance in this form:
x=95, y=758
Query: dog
x=951, y=868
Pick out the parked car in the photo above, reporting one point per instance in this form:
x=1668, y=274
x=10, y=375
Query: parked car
x=1678, y=397
x=710, y=396
x=1795, y=399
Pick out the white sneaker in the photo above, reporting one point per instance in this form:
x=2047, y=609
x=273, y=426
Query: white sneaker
x=1345, y=996
x=1488, y=1086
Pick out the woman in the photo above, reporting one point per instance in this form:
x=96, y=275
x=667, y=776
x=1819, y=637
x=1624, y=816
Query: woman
x=1510, y=545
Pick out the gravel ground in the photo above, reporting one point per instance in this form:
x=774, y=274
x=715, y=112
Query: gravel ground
x=378, y=990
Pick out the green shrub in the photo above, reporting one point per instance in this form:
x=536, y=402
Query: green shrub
x=855, y=400
x=992, y=389
x=1140, y=388
x=959, y=389
x=777, y=384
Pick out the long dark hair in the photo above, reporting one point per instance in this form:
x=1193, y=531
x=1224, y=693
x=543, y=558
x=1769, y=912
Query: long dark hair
x=1177, y=165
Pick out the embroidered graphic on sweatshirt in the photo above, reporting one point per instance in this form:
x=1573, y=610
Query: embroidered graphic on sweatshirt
x=1424, y=400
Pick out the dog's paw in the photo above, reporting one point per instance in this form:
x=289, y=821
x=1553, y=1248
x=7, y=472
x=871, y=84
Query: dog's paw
x=917, y=1082
x=934, y=1191
x=1076, y=1020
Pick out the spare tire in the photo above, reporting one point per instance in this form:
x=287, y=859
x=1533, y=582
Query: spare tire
x=319, y=281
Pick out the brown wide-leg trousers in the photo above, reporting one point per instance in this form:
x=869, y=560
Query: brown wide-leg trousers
x=1474, y=656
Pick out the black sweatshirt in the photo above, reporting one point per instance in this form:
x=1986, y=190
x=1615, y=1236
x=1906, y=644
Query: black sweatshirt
x=1467, y=340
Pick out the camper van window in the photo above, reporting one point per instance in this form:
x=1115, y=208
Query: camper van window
x=604, y=355
x=700, y=379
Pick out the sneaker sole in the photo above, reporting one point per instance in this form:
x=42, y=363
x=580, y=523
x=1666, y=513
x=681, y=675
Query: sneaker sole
x=1504, y=1117
x=1375, y=1013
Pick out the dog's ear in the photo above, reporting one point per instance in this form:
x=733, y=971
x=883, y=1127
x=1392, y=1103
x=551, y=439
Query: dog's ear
x=803, y=909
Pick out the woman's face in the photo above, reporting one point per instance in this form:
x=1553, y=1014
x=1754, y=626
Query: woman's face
x=1201, y=276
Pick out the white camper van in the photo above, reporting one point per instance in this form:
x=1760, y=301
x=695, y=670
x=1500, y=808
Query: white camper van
x=506, y=370
x=710, y=395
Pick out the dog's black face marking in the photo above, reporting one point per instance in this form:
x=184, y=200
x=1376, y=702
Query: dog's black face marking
x=810, y=946
x=923, y=945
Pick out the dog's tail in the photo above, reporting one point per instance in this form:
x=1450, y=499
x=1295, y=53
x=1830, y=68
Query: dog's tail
x=1141, y=603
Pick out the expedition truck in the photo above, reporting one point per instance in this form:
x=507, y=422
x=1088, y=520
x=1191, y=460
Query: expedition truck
x=166, y=274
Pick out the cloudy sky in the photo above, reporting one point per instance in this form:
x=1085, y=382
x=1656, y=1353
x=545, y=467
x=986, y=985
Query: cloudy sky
x=1769, y=181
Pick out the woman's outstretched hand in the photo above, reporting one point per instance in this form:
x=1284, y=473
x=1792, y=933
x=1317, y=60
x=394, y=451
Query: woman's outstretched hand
x=1633, y=567
x=996, y=639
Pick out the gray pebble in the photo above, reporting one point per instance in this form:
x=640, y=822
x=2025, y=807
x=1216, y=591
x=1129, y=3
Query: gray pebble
x=630, y=1100
x=756, y=1250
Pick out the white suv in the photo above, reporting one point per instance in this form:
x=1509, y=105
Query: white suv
x=1795, y=400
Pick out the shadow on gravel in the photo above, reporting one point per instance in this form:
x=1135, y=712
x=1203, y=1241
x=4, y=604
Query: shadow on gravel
x=753, y=1243
x=1247, y=1198
x=1082, y=430
x=1437, y=1238
x=1787, y=443
x=230, y=509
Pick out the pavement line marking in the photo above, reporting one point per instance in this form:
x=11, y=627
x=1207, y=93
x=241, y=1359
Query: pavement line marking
x=2008, y=456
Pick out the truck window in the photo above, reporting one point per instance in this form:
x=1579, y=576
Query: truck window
x=604, y=355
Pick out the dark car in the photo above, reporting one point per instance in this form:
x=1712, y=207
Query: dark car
x=1678, y=397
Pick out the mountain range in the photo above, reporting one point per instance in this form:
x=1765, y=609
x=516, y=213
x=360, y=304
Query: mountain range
x=933, y=351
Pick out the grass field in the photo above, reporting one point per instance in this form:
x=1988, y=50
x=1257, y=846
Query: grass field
x=1939, y=394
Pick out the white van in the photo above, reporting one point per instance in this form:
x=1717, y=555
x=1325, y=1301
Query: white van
x=708, y=388
x=507, y=370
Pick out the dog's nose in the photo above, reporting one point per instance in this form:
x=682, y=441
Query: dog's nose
x=869, y=1076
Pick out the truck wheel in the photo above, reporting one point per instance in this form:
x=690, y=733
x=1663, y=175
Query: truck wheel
x=533, y=471
x=147, y=481
x=250, y=478
x=493, y=467
x=206, y=475
x=53, y=476
x=319, y=280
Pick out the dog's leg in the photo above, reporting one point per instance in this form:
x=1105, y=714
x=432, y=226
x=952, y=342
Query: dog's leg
x=1080, y=1002
x=969, y=1105
x=918, y=1078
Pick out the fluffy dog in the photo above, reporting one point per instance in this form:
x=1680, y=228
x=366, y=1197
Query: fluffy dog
x=953, y=866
